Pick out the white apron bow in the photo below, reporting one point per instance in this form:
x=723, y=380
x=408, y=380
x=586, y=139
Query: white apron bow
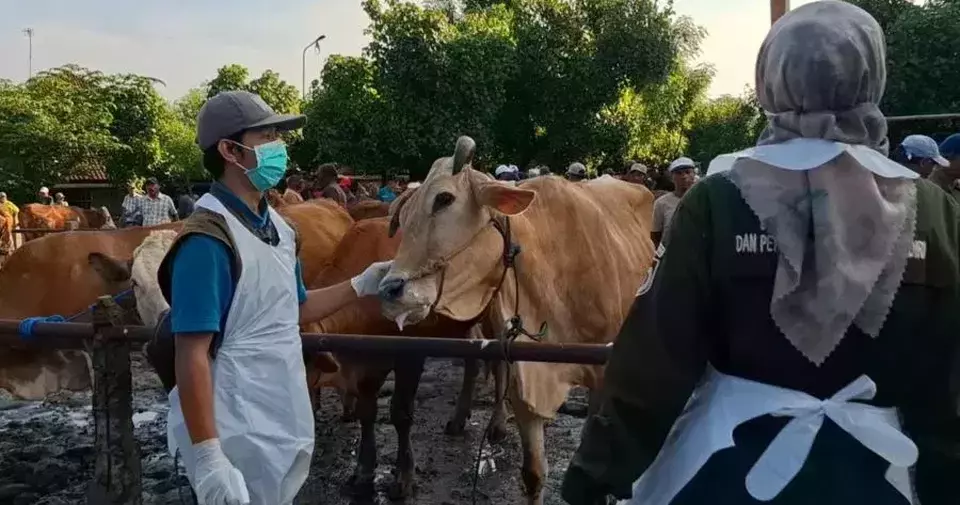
x=723, y=402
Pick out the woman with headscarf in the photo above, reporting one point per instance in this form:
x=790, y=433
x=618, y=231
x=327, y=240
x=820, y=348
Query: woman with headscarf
x=797, y=339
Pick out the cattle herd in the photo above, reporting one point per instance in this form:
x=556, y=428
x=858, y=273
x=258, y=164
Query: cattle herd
x=472, y=256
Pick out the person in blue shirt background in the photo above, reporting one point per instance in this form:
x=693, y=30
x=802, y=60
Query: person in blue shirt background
x=240, y=414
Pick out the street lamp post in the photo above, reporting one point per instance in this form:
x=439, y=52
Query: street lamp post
x=29, y=33
x=777, y=9
x=315, y=43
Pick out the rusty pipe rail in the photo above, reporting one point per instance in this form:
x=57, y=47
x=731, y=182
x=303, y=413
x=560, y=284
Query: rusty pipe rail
x=77, y=335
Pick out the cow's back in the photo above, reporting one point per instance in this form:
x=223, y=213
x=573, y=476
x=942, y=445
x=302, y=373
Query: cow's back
x=321, y=225
x=585, y=249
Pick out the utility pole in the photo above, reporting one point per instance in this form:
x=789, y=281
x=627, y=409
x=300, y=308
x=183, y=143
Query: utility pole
x=29, y=33
x=316, y=44
x=777, y=9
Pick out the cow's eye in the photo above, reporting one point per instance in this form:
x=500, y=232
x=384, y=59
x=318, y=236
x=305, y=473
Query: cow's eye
x=442, y=200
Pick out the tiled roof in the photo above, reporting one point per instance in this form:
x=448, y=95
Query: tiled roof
x=90, y=172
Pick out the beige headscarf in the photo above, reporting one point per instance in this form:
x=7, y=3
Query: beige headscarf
x=845, y=226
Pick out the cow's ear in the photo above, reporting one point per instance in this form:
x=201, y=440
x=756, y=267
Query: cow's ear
x=505, y=198
x=110, y=269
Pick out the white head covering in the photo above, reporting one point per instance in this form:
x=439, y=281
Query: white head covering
x=843, y=215
x=533, y=172
x=44, y=190
x=502, y=169
x=413, y=185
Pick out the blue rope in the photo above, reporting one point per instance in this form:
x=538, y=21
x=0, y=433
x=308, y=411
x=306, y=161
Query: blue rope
x=26, y=325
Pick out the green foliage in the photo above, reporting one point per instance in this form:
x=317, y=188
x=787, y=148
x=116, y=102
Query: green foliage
x=723, y=125
x=922, y=44
x=527, y=79
x=280, y=95
x=69, y=121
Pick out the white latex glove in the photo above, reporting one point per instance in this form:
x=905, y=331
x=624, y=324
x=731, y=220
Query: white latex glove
x=368, y=282
x=216, y=480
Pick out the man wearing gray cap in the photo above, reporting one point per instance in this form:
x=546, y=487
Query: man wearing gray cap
x=921, y=154
x=576, y=172
x=240, y=414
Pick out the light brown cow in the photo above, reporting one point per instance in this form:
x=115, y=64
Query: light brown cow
x=585, y=249
x=362, y=377
x=57, y=217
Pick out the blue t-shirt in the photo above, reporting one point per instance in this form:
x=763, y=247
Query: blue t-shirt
x=201, y=284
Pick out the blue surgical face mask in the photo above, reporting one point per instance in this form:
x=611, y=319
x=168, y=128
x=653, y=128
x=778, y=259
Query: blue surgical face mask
x=271, y=164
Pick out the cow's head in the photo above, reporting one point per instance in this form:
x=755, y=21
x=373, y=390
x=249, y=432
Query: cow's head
x=141, y=272
x=448, y=240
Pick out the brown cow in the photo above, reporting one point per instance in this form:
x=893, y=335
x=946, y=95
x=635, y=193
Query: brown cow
x=90, y=264
x=365, y=243
x=368, y=209
x=57, y=217
x=54, y=275
x=585, y=249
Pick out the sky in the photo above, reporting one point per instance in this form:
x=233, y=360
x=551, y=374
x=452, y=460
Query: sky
x=183, y=42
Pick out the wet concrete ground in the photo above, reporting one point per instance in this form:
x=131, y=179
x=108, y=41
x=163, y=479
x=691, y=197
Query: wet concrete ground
x=46, y=449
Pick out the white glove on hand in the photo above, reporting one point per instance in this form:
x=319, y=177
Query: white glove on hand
x=368, y=282
x=216, y=480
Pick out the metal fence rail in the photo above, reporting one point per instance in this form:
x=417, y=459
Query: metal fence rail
x=117, y=472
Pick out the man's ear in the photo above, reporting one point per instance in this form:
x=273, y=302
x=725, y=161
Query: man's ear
x=505, y=198
x=110, y=269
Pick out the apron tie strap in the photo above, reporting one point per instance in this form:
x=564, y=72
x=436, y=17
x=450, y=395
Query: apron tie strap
x=784, y=457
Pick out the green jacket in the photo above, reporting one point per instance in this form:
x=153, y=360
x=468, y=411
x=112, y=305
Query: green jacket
x=709, y=302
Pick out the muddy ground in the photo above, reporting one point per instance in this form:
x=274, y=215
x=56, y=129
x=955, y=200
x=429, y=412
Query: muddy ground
x=46, y=455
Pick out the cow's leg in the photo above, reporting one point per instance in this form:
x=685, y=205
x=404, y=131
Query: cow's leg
x=349, y=402
x=498, y=425
x=406, y=375
x=368, y=386
x=534, y=470
x=458, y=423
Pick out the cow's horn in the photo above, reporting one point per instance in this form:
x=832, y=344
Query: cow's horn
x=463, y=153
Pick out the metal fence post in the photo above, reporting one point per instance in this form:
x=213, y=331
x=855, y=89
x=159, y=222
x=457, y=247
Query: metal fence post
x=116, y=478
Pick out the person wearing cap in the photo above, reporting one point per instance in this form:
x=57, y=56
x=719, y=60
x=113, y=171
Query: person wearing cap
x=506, y=173
x=60, y=199
x=637, y=174
x=683, y=173
x=240, y=415
x=130, y=207
x=920, y=154
x=797, y=341
x=156, y=208
x=43, y=196
x=11, y=209
x=948, y=177
x=576, y=172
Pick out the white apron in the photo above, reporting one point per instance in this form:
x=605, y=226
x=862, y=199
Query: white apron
x=261, y=404
x=723, y=402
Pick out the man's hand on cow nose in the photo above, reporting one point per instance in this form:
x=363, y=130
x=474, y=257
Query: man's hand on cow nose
x=368, y=282
x=391, y=288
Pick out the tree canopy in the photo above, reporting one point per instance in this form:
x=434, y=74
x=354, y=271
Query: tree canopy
x=533, y=81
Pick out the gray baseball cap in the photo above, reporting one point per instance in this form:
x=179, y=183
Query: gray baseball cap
x=577, y=168
x=681, y=163
x=231, y=112
x=922, y=146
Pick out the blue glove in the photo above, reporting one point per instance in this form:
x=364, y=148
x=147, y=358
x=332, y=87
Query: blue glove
x=26, y=325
